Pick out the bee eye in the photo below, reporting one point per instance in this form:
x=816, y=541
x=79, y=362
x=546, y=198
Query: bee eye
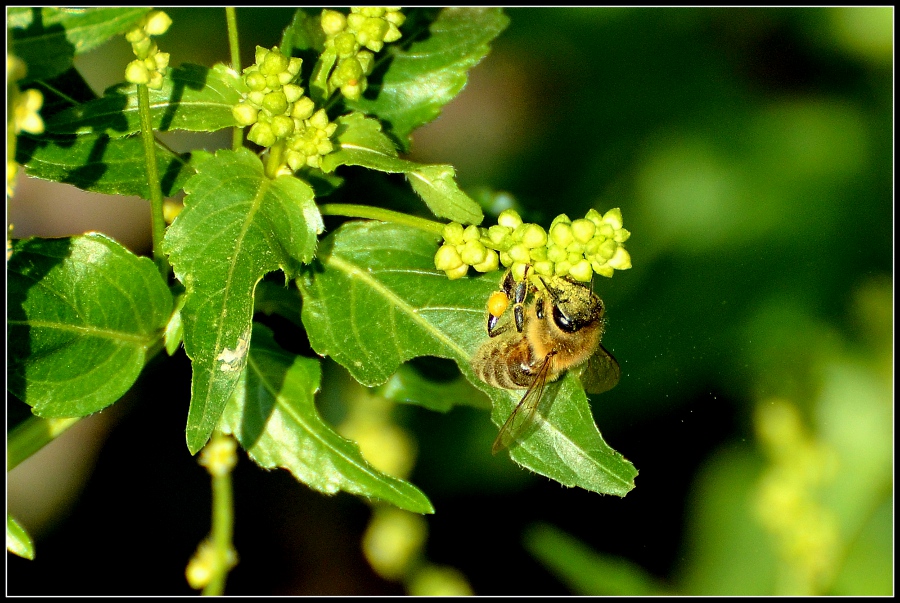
x=564, y=322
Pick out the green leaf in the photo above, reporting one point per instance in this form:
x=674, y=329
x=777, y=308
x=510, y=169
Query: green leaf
x=303, y=33
x=430, y=72
x=378, y=301
x=236, y=226
x=409, y=386
x=98, y=163
x=18, y=541
x=586, y=572
x=361, y=142
x=192, y=98
x=48, y=38
x=83, y=313
x=273, y=415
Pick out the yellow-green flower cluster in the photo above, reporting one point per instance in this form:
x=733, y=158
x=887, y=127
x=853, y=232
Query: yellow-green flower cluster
x=278, y=111
x=22, y=114
x=150, y=65
x=576, y=248
x=365, y=27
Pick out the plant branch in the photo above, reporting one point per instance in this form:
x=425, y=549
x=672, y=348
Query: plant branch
x=237, y=134
x=377, y=213
x=157, y=219
x=31, y=435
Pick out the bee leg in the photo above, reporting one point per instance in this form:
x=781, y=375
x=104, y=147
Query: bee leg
x=521, y=291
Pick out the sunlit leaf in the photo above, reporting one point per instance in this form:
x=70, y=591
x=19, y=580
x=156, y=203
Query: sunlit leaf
x=273, y=415
x=82, y=314
x=361, y=142
x=237, y=225
x=378, y=301
x=422, y=78
x=193, y=98
x=17, y=539
x=48, y=38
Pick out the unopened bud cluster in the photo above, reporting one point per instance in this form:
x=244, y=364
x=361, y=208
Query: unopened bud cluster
x=278, y=111
x=575, y=248
x=151, y=65
x=24, y=117
x=368, y=27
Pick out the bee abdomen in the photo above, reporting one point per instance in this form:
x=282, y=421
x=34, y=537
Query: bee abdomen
x=504, y=364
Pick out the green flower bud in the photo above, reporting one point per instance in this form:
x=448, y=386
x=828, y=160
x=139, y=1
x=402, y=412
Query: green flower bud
x=613, y=217
x=255, y=97
x=355, y=20
x=605, y=230
x=393, y=16
x=292, y=92
x=555, y=253
x=562, y=268
x=561, y=233
x=471, y=233
x=598, y=265
x=593, y=246
x=543, y=268
x=273, y=82
x=581, y=271
x=607, y=249
x=274, y=63
x=534, y=236
x=26, y=112
x=244, y=114
x=332, y=22
x=583, y=229
x=594, y=216
x=348, y=71
x=499, y=236
x=158, y=23
x=366, y=60
x=560, y=218
x=261, y=134
x=473, y=253
x=294, y=65
x=622, y=235
x=509, y=218
x=604, y=270
x=393, y=33
x=369, y=11
x=161, y=60
x=156, y=80
x=142, y=48
x=519, y=253
x=538, y=254
x=282, y=126
x=137, y=73
x=621, y=260
x=575, y=247
x=490, y=262
x=260, y=55
x=453, y=233
x=345, y=45
x=135, y=35
x=295, y=159
x=352, y=91
x=323, y=147
x=518, y=271
x=505, y=259
x=275, y=102
x=303, y=108
x=284, y=77
x=457, y=273
x=574, y=258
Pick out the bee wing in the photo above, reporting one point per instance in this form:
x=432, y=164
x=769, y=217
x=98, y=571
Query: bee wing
x=524, y=414
x=601, y=372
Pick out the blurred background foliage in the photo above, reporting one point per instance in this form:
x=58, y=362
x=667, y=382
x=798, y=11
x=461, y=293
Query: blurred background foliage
x=751, y=152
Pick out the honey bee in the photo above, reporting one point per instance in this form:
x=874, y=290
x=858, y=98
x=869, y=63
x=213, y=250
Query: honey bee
x=555, y=325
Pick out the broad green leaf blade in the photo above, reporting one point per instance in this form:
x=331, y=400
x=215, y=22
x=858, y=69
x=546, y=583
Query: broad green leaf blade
x=98, y=163
x=378, y=301
x=83, y=312
x=361, y=142
x=18, y=541
x=273, y=415
x=48, y=38
x=429, y=73
x=303, y=33
x=586, y=572
x=236, y=226
x=192, y=98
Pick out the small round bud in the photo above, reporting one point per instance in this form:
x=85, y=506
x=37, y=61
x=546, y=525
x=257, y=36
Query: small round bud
x=574, y=258
x=621, y=260
x=544, y=268
x=255, y=97
x=519, y=253
x=333, y=22
x=135, y=35
x=490, y=263
x=605, y=230
x=393, y=33
x=473, y=253
x=562, y=268
x=538, y=254
x=345, y=45
x=453, y=233
x=447, y=258
x=457, y=273
x=581, y=271
x=274, y=63
x=518, y=271
x=244, y=114
x=575, y=247
x=366, y=60
x=471, y=233
x=282, y=126
x=555, y=253
x=534, y=236
x=292, y=92
x=604, y=270
x=613, y=217
x=319, y=119
x=303, y=108
x=137, y=73
x=142, y=48
x=509, y=218
x=275, y=102
x=583, y=229
x=158, y=23
x=560, y=218
x=594, y=216
x=607, y=249
x=621, y=235
x=262, y=134
x=505, y=259
x=352, y=91
x=499, y=236
x=561, y=234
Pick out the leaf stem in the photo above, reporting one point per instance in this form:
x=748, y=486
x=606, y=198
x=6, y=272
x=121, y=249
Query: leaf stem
x=378, y=213
x=157, y=219
x=31, y=435
x=237, y=134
